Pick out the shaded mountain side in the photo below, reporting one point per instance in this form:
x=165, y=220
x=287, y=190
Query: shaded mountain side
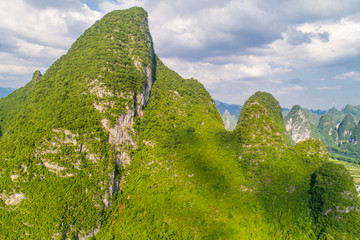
x=346, y=127
x=329, y=136
x=111, y=144
x=312, y=117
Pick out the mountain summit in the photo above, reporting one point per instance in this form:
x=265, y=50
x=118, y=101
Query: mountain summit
x=111, y=144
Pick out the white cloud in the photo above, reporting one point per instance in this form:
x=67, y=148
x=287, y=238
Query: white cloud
x=323, y=43
x=48, y=26
x=107, y=6
x=36, y=50
x=348, y=76
x=36, y=33
x=16, y=69
x=326, y=88
x=247, y=70
x=343, y=40
x=294, y=88
x=255, y=45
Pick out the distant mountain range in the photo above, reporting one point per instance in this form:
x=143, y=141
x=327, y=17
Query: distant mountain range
x=234, y=109
x=229, y=113
x=5, y=91
x=339, y=130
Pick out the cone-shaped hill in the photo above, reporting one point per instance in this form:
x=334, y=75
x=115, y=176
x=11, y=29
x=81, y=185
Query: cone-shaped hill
x=261, y=116
x=111, y=144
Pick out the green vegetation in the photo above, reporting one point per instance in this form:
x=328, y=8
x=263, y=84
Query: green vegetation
x=272, y=108
x=334, y=202
x=55, y=154
x=84, y=154
x=346, y=126
x=351, y=165
x=338, y=131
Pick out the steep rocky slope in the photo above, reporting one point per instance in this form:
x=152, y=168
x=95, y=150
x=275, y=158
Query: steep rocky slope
x=229, y=120
x=297, y=124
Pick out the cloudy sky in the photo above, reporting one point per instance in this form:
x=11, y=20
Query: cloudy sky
x=303, y=52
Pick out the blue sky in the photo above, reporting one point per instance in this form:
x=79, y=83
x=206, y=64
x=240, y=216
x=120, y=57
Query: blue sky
x=303, y=52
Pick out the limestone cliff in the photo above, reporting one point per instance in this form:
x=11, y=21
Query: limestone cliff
x=229, y=120
x=297, y=124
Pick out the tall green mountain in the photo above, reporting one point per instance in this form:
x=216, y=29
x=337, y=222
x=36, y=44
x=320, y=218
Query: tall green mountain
x=67, y=134
x=354, y=110
x=111, y=144
x=327, y=129
x=346, y=127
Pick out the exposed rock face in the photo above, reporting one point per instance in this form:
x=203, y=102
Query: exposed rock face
x=121, y=134
x=229, y=120
x=298, y=125
x=13, y=199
